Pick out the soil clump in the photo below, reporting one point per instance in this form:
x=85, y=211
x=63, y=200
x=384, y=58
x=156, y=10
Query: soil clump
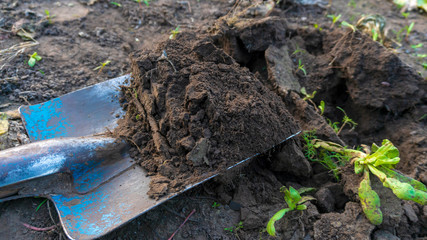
x=192, y=110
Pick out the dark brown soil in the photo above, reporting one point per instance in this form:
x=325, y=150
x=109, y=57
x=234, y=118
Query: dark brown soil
x=197, y=111
x=383, y=90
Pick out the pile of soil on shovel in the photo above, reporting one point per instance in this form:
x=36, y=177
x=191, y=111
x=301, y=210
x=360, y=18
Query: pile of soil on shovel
x=193, y=111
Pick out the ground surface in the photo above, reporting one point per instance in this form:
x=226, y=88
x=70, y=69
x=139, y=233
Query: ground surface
x=381, y=89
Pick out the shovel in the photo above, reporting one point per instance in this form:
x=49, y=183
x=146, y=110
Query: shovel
x=91, y=179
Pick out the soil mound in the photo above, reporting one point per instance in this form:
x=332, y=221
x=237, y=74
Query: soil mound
x=192, y=110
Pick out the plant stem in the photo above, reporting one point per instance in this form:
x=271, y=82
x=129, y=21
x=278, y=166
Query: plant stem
x=342, y=126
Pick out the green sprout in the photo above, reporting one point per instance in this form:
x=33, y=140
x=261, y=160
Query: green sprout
x=316, y=26
x=146, y=2
x=235, y=228
x=334, y=125
x=373, y=25
x=301, y=67
x=298, y=50
x=421, y=56
x=174, y=33
x=329, y=160
x=346, y=121
x=102, y=65
x=33, y=59
x=215, y=205
x=116, y=4
x=405, y=14
x=41, y=204
x=309, y=97
x=409, y=30
x=415, y=46
x=424, y=64
x=352, y=3
x=138, y=117
x=379, y=161
x=48, y=16
x=322, y=107
x=346, y=24
x=334, y=18
x=294, y=201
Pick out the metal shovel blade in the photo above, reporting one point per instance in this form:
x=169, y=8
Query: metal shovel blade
x=94, y=184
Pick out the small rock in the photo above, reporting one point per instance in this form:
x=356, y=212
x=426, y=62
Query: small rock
x=410, y=213
x=384, y=235
x=99, y=31
x=84, y=35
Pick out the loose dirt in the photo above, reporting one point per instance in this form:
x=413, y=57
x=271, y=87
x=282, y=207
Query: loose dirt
x=192, y=110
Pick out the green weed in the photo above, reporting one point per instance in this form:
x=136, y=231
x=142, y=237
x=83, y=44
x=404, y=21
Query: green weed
x=298, y=50
x=48, y=16
x=352, y=3
x=41, y=204
x=33, y=59
x=234, y=228
x=346, y=121
x=334, y=18
x=405, y=14
x=346, y=24
x=301, y=67
x=316, y=26
x=294, y=201
x=174, y=33
x=102, y=65
x=379, y=161
x=116, y=4
x=409, y=30
x=215, y=205
x=322, y=107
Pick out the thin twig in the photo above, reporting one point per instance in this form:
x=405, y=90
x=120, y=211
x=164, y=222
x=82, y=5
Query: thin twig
x=182, y=224
x=39, y=229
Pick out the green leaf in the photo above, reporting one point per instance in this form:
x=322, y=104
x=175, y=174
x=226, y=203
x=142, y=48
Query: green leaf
x=305, y=199
x=301, y=207
x=305, y=190
x=346, y=24
x=387, y=161
x=41, y=204
x=303, y=91
x=358, y=168
x=393, y=174
x=322, y=107
x=294, y=195
x=370, y=201
x=402, y=190
x=374, y=148
x=279, y=215
x=32, y=62
x=420, y=197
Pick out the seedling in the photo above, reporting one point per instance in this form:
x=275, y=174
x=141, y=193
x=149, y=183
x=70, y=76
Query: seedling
x=419, y=45
x=373, y=25
x=147, y=2
x=424, y=65
x=352, y=3
x=379, y=161
x=116, y=4
x=405, y=14
x=235, y=228
x=334, y=125
x=329, y=160
x=294, y=201
x=48, y=16
x=346, y=121
x=309, y=97
x=41, y=204
x=346, y=24
x=421, y=56
x=316, y=26
x=334, y=18
x=174, y=33
x=138, y=117
x=101, y=66
x=298, y=50
x=322, y=107
x=409, y=30
x=33, y=59
x=301, y=67
x=215, y=205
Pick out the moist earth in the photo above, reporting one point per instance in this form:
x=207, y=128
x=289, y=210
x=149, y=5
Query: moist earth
x=191, y=110
x=380, y=88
